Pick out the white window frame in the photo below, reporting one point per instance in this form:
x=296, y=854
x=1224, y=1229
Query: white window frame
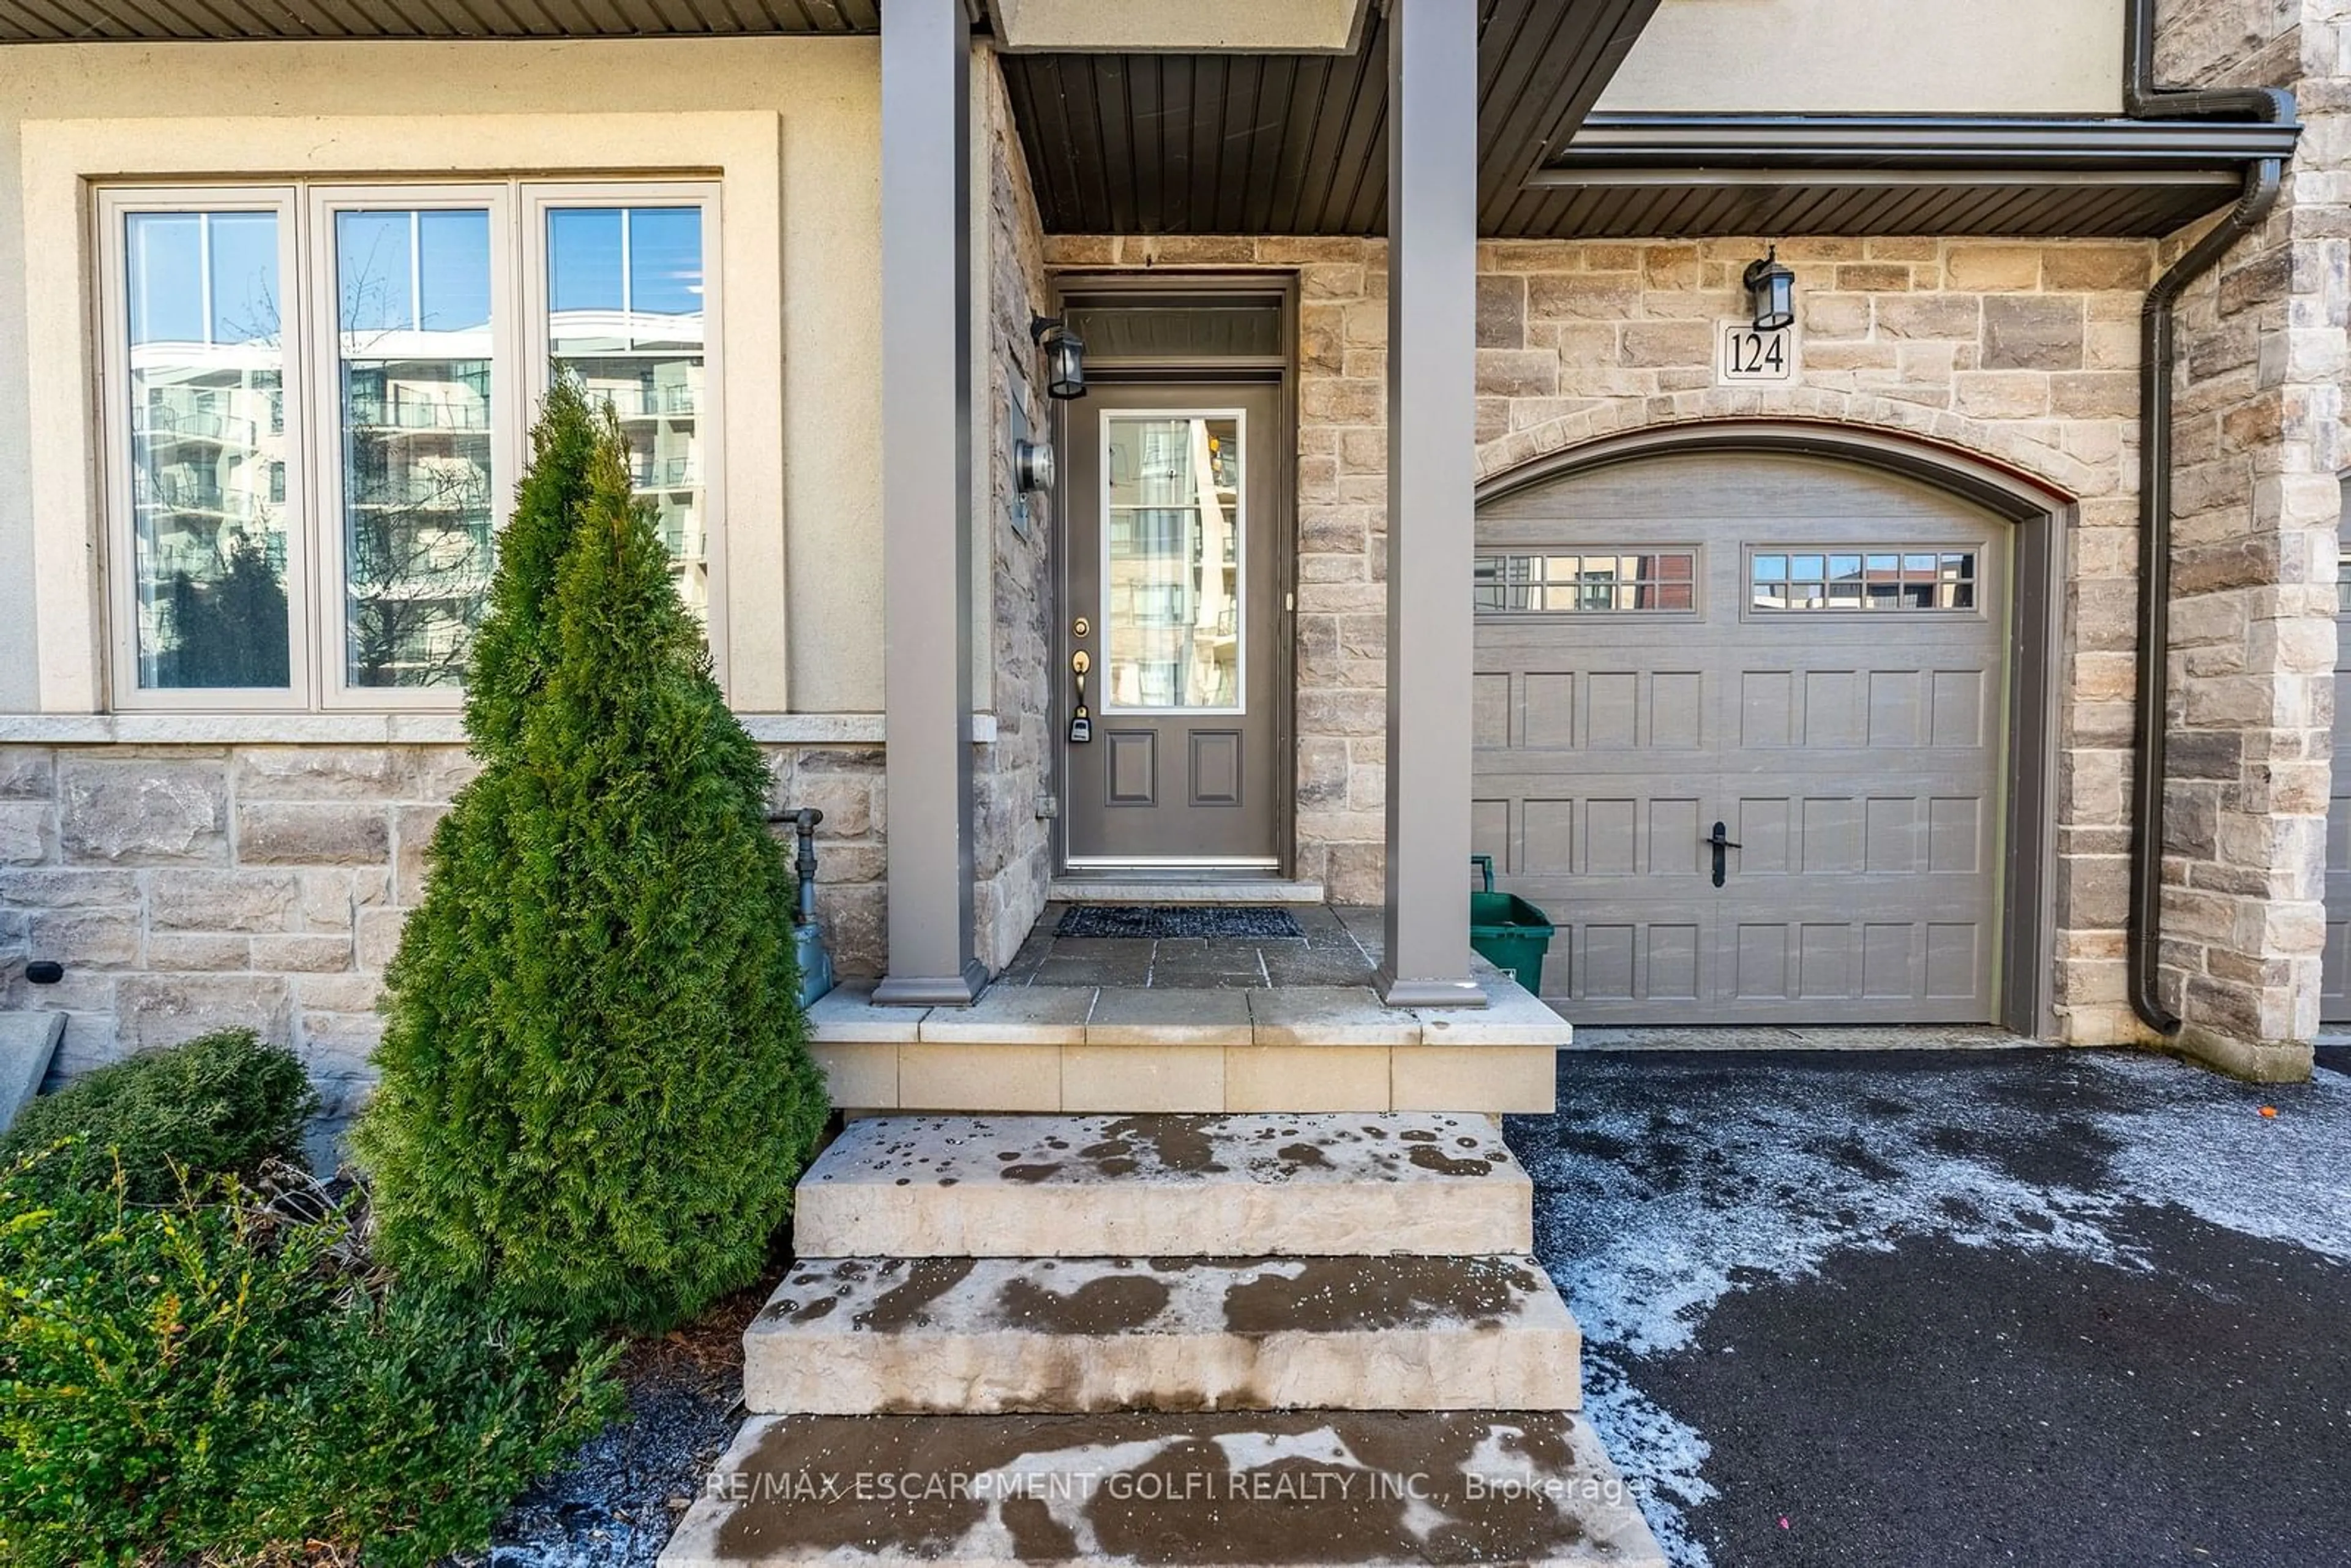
x=118, y=558
x=318, y=667
x=540, y=197
x=324, y=407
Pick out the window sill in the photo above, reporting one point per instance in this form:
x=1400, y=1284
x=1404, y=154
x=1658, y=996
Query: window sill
x=386, y=729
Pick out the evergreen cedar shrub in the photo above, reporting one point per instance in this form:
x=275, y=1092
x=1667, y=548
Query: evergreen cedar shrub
x=207, y=1380
x=596, y=1092
x=221, y=1105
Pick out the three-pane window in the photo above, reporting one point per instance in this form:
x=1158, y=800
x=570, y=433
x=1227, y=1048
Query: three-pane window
x=318, y=418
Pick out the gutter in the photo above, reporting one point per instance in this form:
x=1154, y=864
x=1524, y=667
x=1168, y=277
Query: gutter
x=1646, y=141
x=2142, y=99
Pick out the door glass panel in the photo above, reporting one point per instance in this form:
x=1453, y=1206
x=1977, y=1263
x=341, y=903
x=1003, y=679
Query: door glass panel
x=208, y=449
x=1174, y=552
x=624, y=292
x=413, y=291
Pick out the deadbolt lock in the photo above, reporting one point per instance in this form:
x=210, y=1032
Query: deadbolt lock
x=1081, y=627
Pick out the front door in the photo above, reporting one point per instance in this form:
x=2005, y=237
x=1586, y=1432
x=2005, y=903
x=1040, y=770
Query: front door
x=1173, y=603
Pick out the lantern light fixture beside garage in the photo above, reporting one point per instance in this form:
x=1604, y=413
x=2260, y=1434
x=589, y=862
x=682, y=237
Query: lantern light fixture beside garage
x=1772, y=293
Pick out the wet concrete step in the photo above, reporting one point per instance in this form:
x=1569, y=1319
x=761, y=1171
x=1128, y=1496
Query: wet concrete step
x=987, y=1335
x=1226, y=1488
x=1188, y=1186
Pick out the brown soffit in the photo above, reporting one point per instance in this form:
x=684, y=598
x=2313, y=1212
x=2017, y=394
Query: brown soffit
x=102, y=21
x=1203, y=143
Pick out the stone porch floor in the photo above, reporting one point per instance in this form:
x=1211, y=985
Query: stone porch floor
x=1193, y=1024
x=1341, y=947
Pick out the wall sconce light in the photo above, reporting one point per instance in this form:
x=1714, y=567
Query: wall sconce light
x=1032, y=466
x=1065, y=356
x=1772, y=291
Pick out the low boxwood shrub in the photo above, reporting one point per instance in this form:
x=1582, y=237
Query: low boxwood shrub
x=208, y=1379
x=221, y=1105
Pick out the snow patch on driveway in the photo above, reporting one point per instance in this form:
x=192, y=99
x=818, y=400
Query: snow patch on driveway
x=1651, y=1205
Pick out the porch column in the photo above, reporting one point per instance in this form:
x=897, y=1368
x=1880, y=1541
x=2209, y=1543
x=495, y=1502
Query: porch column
x=926, y=499
x=1432, y=478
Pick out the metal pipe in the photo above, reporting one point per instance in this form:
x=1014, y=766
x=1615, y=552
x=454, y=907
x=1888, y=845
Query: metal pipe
x=804, y=824
x=2142, y=99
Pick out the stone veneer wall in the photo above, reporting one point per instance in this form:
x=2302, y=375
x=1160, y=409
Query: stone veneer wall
x=2259, y=439
x=2024, y=352
x=1012, y=846
x=192, y=888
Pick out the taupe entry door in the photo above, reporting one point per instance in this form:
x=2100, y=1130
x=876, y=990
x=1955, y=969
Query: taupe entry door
x=1171, y=570
x=2335, y=992
x=1739, y=731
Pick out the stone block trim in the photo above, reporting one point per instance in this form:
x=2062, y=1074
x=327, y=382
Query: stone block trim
x=193, y=888
x=2261, y=440
x=1012, y=845
x=2026, y=353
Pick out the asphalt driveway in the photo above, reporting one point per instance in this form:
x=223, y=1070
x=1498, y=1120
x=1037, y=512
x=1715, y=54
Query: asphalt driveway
x=1915, y=1309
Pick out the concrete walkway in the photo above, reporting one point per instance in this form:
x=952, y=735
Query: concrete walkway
x=2021, y=1307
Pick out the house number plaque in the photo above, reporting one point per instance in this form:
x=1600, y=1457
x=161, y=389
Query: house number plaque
x=1745, y=357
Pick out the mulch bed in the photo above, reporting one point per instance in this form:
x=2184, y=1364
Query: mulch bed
x=616, y=1504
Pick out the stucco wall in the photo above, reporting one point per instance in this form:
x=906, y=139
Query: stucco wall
x=2023, y=353
x=800, y=534
x=1876, y=56
x=252, y=879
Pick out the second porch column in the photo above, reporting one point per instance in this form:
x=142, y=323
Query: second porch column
x=1432, y=476
x=925, y=500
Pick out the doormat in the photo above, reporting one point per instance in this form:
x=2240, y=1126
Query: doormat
x=1176, y=920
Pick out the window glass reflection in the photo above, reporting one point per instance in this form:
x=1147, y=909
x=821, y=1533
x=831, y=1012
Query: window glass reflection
x=413, y=288
x=208, y=449
x=626, y=314
x=1664, y=579
x=1173, y=561
x=1888, y=580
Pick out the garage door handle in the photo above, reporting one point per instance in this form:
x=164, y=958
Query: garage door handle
x=1721, y=840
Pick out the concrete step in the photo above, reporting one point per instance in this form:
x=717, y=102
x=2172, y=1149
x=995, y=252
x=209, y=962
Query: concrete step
x=1173, y=1186
x=1224, y=1488
x=989, y=1336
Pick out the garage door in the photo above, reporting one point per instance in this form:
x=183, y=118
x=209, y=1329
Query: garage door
x=1798, y=658
x=2335, y=993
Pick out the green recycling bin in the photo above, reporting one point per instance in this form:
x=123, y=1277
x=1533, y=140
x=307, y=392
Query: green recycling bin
x=1507, y=931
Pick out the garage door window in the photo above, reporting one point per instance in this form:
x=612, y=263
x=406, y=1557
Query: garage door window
x=1888, y=580
x=1587, y=581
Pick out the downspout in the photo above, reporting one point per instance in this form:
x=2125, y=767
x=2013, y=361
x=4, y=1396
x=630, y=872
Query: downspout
x=2142, y=99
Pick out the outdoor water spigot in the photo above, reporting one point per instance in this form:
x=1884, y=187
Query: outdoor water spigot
x=804, y=822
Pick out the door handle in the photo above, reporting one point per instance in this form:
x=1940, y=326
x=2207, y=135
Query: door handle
x=1081, y=722
x=1720, y=840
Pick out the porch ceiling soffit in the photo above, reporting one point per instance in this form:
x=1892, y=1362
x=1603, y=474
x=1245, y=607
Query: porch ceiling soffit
x=158, y=21
x=1196, y=143
x=1687, y=176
